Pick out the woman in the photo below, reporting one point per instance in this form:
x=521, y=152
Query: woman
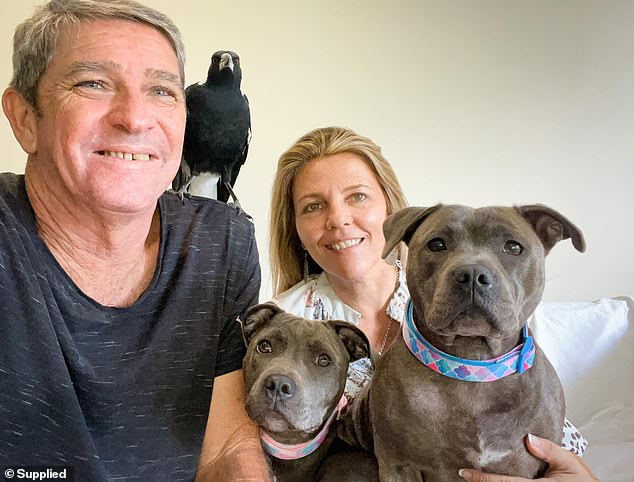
x=332, y=191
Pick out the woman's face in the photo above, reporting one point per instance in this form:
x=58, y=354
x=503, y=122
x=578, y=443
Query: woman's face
x=339, y=213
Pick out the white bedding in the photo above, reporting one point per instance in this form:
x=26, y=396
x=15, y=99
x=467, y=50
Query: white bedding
x=591, y=345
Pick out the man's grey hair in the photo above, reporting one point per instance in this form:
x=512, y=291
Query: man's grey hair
x=35, y=39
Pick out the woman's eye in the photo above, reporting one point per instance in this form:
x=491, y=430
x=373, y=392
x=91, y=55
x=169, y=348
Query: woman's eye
x=312, y=207
x=437, y=244
x=359, y=196
x=323, y=360
x=263, y=346
x=513, y=248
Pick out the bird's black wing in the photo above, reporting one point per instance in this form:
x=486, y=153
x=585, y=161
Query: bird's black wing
x=245, y=148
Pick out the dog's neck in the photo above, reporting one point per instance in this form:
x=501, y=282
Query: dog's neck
x=470, y=347
x=517, y=360
x=306, y=445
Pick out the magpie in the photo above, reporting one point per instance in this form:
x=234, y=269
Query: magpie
x=217, y=131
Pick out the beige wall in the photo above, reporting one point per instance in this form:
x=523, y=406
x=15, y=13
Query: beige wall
x=487, y=102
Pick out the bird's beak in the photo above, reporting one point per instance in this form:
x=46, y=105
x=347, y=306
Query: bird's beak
x=226, y=61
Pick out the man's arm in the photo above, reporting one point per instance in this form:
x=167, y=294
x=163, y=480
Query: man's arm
x=231, y=448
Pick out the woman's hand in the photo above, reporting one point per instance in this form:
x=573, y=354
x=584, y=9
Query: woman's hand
x=563, y=466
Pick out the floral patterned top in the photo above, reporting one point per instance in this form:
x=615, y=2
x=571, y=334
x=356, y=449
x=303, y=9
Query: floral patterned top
x=316, y=300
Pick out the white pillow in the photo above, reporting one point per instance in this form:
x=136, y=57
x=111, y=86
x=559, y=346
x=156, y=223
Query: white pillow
x=591, y=345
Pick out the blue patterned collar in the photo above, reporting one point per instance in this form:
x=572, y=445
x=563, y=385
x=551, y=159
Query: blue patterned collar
x=518, y=360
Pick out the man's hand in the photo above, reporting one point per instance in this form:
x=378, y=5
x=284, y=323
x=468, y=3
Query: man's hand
x=240, y=460
x=231, y=448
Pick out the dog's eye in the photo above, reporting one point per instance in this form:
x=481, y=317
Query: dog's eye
x=437, y=244
x=263, y=346
x=513, y=248
x=323, y=360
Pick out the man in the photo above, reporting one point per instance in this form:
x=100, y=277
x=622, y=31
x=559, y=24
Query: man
x=118, y=303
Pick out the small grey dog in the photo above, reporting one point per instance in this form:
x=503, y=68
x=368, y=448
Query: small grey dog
x=295, y=372
x=465, y=383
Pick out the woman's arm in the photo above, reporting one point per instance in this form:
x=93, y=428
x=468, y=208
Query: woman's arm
x=564, y=466
x=231, y=448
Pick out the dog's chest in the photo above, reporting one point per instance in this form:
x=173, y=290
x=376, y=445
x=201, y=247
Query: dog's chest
x=450, y=419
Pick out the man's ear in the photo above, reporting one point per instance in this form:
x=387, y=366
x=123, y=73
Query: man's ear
x=23, y=119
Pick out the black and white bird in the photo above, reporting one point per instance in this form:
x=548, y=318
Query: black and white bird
x=217, y=133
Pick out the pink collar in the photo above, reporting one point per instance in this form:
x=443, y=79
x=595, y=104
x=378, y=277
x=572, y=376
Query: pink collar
x=297, y=451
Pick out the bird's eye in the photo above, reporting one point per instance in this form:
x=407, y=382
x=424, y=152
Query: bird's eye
x=437, y=244
x=513, y=248
x=323, y=360
x=263, y=346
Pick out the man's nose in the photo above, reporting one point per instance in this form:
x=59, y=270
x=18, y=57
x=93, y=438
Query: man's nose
x=131, y=112
x=339, y=215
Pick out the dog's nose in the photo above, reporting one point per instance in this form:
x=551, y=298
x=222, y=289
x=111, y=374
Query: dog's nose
x=473, y=274
x=280, y=386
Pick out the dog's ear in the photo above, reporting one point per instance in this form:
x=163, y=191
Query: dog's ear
x=401, y=225
x=353, y=338
x=551, y=227
x=256, y=317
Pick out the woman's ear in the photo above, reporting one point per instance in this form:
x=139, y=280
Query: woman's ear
x=23, y=119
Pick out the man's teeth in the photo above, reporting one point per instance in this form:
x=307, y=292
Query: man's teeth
x=345, y=244
x=127, y=156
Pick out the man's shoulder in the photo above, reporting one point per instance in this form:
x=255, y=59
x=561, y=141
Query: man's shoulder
x=210, y=212
x=207, y=228
x=14, y=203
x=11, y=185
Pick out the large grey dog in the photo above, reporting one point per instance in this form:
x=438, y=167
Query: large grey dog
x=295, y=373
x=475, y=276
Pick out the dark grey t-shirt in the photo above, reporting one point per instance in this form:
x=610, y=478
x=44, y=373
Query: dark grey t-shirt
x=119, y=393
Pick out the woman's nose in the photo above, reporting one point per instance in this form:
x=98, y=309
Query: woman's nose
x=338, y=216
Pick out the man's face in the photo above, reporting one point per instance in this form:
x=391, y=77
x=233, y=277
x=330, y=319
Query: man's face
x=112, y=117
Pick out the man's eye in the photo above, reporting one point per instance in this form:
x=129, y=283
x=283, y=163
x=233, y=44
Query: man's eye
x=91, y=84
x=264, y=346
x=164, y=92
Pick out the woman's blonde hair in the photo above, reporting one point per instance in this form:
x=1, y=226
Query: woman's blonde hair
x=286, y=252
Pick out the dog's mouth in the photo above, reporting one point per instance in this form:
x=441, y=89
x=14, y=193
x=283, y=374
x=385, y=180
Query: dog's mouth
x=474, y=321
x=470, y=320
x=472, y=332
x=275, y=422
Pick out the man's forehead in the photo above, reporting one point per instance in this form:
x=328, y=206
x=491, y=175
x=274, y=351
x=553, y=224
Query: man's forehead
x=92, y=33
x=70, y=34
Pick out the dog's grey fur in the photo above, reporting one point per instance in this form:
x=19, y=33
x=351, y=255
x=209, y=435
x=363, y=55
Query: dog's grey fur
x=288, y=393
x=471, y=299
